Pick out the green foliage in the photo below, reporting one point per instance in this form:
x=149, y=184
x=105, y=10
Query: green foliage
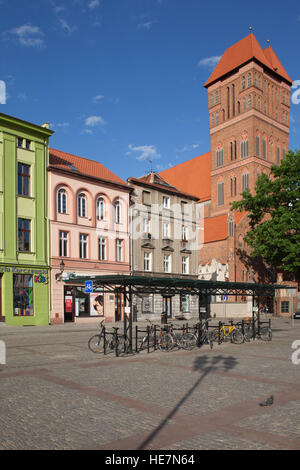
x=274, y=215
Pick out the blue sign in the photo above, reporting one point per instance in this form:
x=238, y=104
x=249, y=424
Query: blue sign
x=225, y=297
x=88, y=287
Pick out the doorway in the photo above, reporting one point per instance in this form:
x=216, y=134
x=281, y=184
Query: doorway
x=118, y=306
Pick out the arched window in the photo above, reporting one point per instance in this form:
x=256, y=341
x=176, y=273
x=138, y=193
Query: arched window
x=117, y=212
x=100, y=208
x=249, y=101
x=243, y=83
x=249, y=78
x=81, y=205
x=62, y=201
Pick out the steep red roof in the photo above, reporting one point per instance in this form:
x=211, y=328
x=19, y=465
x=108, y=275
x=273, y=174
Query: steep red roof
x=192, y=176
x=83, y=166
x=242, y=52
x=215, y=228
x=276, y=64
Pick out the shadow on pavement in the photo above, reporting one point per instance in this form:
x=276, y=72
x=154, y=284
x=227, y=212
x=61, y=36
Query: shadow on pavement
x=206, y=364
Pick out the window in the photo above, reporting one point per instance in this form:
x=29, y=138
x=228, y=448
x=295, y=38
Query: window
x=62, y=201
x=23, y=179
x=83, y=242
x=285, y=306
x=212, y=120
x=217, y=97
x=19, y=142
x=259, y=81
x=249, y=101
x=81, y=205
x=233, y=153
x=184, y=303
x=219, y=157
x=27, y=144
x=278, y=155
x=147, y=261
x=230, y=228
x=243, y=83
x=233, y=186
x=146, y=225
x=258, y=103
x=23, y=295
x=63, y=243
x=245, y=181
x=264, y=148
x=167, y=263
x=119, y=250
x=184, y=233
x=244, y=104
x=220, y=194
x=146, y=198
x=211, y=101
x=100, y=208
x=117, y=211
x=244, y=148
x=166, y=230
x=255, y=79
x=249, y=78
x=217, y=117
x=102, y=248
x=257, y=145
x=23, y=235
x=283, y=153
x=185, y=265
x=166, y=202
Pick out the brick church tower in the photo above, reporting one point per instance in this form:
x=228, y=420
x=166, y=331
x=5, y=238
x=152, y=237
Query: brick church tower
x=249, y=103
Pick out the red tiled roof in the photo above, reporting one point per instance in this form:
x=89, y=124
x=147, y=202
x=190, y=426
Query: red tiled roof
x=67, y=161
x=192, y=176
x=215, y=228
x=242, y=52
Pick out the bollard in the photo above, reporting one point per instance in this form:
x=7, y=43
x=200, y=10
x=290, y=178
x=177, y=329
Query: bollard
x=136, y=338
x=148, y=338
x=104, y=339
x=219, y=336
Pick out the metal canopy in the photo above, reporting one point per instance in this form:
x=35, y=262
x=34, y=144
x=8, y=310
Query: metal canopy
x=172, y=286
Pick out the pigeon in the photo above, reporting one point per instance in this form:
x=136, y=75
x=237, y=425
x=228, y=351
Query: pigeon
x=268, y=402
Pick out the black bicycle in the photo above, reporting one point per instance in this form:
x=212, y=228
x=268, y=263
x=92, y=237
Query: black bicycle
x=108, y=342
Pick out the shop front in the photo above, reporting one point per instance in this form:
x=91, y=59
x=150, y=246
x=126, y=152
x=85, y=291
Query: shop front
x=81, y=305
x=24, y=295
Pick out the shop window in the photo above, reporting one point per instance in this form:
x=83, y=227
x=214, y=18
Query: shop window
x=23, y=295
x=184, y=303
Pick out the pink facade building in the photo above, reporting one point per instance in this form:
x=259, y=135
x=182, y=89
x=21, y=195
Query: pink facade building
x=89, y=235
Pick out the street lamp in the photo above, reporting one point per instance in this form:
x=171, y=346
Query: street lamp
x=62, y=268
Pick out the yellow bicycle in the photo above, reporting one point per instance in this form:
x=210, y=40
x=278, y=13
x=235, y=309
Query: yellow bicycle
x=228, y=332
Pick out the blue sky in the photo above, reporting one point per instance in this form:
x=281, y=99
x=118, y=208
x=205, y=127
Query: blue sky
x=121, y=81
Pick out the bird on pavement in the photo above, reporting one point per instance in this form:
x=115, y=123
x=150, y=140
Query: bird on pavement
x=269, y=401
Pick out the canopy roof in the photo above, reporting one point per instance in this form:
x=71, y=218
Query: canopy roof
x=171, y=286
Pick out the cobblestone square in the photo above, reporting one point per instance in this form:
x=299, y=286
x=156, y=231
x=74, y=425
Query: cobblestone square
x=56, y=394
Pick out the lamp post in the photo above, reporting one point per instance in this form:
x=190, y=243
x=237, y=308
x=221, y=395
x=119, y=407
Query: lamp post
x=62, y=268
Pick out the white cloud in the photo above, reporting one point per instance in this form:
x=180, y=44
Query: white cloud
x=93, y=121
x=187, y=148
x=146, y=25
x=66, y=27
x=93, y=4
x=28, y=35
x=97, y=98
x=209, y=61
x=144, y=152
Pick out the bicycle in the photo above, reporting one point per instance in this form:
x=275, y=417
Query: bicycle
x=100, y=343
x=168, y=339
x=227, y=332
x=149, y=340
x=264, y=333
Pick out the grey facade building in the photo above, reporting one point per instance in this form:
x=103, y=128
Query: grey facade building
x=164, y=243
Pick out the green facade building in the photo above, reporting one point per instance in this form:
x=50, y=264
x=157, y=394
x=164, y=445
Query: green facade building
x=24, y=226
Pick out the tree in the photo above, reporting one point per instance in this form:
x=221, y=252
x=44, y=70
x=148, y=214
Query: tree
x=274, y=216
